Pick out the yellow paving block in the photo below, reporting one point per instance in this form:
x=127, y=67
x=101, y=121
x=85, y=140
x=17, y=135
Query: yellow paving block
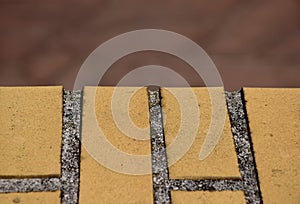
x=274, y=120
x=30, y=131
x=30, y=198
x=222, y=162
x=103, y=177
x=215, y=197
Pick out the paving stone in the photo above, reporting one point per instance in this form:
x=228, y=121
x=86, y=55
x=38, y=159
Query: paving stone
x=100, y=182
x=30, y=198
x=224, y=197
x=30, y=131
x=274, y=120
x=222, y=162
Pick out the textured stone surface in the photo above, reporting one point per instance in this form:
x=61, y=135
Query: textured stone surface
x=274, y=120
x=31, y=198
x=226, y=197
x=98, y=183
x=30, y=131
x=222, y=162
x=274, y=125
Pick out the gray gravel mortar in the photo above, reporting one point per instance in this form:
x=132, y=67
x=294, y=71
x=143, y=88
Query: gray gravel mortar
x=29, y=185
x=243, y=145
x=71, y=147
x=160, y=174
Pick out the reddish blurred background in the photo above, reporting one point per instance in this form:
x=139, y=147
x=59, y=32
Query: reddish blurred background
x=253, y=43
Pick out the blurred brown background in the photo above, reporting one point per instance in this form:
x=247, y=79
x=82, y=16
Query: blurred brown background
x=253, y=43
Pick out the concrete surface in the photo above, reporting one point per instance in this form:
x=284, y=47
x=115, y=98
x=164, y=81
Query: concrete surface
x=226, y=197
x=31, y=198
x=222, y=162
x=100, y=183
x=274, y=121
x=30, y=131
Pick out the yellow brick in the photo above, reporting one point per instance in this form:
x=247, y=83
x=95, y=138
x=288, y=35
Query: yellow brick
x=274, y=119
x=222, y=162
x=98, y=183
x=30, y=198
x=215, y=197
x=30, y=131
